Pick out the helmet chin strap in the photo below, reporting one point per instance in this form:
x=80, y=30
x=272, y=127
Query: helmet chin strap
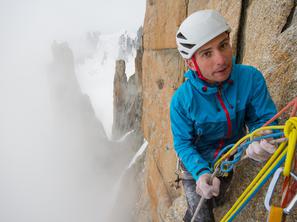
x=200, y=76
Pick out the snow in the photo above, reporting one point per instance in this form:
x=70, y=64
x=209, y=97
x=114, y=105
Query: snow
x=139, y=153
x=125, y=136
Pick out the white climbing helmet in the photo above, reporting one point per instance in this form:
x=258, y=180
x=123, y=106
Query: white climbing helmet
x=198, y=29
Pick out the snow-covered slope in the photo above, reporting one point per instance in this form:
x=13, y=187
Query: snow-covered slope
x=96, y=72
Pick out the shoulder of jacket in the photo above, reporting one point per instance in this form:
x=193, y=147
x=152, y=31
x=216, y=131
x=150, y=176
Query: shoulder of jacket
x=183, y=94
x=247, y=71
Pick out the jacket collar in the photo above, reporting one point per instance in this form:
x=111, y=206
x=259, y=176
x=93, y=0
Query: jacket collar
x=205, y=87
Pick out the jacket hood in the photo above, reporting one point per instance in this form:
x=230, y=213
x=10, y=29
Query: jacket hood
x=205, y=87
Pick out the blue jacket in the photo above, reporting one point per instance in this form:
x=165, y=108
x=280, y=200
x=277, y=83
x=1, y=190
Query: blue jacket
x=205, y=117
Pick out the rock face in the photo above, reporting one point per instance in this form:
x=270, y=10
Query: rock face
x=160, y=160
x=127, y=117
x=127, y=99
x=261, y=29
x=263, y=35
x=127, y=102
x=161, y=21
x=119, y=102
x=230, y=9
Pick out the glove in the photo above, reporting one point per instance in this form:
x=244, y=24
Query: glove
x=206, y=187
x=260, y=151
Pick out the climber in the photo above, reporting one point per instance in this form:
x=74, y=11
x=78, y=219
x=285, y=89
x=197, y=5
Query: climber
x=213, y=108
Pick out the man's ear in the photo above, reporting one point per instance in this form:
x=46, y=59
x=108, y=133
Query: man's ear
x=190, y=64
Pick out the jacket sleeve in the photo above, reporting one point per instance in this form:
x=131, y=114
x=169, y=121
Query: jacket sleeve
x=260, y=108
x=183, y=136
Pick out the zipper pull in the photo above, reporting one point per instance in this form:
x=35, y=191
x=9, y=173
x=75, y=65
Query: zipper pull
x=219, y=90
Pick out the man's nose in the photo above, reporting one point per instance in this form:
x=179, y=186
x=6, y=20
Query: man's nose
x=220, y=58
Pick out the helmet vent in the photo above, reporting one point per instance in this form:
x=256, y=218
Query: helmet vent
x=181, y=36
x=184, y=52
x=189, y=46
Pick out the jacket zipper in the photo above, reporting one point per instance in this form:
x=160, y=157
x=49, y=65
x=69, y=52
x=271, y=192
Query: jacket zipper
x=221, y=143
x=219, y=95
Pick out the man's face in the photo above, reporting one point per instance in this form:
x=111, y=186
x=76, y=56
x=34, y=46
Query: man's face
x=214, y=59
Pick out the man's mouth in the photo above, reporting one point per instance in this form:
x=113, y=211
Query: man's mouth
x=221, y=70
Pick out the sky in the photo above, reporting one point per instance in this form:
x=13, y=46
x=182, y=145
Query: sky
x=42, y=21
x=60, y=17
x=29, y=27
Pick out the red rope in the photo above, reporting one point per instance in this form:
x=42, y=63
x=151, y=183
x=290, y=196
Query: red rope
x=289, y=186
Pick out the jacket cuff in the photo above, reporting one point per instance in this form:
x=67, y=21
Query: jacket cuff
x=201, y=172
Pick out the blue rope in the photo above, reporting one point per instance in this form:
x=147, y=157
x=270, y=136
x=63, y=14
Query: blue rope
x=222, y=151
x=227, y=166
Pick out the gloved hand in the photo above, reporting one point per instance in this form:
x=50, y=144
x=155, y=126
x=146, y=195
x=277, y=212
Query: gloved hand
x=261, y=151
x=206, y=187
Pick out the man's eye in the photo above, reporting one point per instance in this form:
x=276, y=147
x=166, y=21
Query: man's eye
x=224, y=45
x=206, y=54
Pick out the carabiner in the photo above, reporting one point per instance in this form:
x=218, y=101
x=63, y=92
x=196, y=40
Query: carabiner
x=271, y=189
x=293, y=202
x=290, y=206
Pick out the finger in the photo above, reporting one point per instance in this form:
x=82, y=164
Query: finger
x=267, y=146
x=250, y=151
x=205, y=187
x=204, y=193
x=206, y=190
x=276, y=141
x=207, y=196
x=216, y=186
x=260, y=154
x=257, y=149
x=251, y=154
x=198, y=190
x=265, y=132
x=200, y=184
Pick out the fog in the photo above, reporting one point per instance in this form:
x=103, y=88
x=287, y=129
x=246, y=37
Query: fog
x=56, y=163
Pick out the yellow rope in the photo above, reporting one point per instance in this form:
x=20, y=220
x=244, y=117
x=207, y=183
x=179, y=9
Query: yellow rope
x=248, y=136
x=272, y=162
x=290, y=132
